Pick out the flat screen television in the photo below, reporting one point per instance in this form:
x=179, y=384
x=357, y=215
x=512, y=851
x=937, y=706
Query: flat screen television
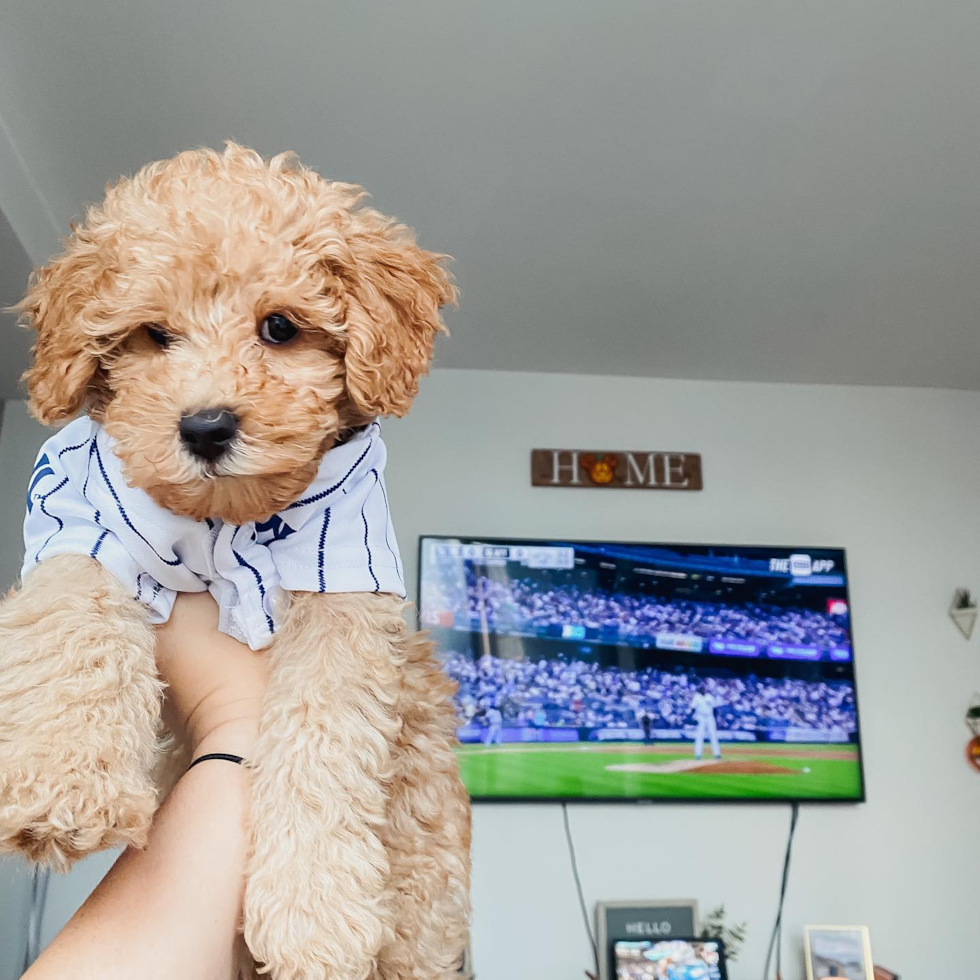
x=671, y=959
x=600, y=670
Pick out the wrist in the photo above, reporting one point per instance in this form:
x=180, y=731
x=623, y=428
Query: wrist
x=236, y=736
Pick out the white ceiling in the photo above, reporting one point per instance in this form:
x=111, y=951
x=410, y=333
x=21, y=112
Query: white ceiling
x=15, y=267
x=748, y=190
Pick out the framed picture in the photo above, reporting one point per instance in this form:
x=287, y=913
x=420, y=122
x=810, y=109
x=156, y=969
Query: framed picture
x=618, y=921
x=838, y=951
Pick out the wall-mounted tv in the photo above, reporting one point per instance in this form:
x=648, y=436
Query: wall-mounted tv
x=600, y=670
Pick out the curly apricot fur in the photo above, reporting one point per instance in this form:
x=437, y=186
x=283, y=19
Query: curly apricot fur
x=359, y=864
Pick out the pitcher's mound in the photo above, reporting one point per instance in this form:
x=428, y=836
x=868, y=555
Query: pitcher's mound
x=736, y=767
x=744, y=767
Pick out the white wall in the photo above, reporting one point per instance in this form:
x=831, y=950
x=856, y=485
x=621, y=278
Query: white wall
x=894, y=476
x=20, y=437
x=891, y=474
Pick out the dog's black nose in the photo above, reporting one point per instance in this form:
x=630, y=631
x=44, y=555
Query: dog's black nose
x=208, y=433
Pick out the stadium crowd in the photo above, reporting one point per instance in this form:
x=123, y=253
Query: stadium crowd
x=580, y=693
x=515, y=605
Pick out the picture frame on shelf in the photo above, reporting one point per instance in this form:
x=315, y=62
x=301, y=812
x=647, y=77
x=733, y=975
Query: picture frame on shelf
x=838, y=953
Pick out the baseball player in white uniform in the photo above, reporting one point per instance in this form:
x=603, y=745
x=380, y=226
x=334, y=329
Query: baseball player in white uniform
x=703, y=707
x=495, y=723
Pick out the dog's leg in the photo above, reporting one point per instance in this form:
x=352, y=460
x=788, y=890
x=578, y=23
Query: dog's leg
x=428, y=829
x=244, y=967
x=79, y=710
x=317, y=905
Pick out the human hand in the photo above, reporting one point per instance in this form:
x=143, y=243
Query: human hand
x=215, y=685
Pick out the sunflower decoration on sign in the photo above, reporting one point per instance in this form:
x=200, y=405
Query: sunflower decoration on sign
x=973, y=723
x=600, y=468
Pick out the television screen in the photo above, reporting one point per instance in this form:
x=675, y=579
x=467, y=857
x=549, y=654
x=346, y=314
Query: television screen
x=614, y=671
x=670, y=959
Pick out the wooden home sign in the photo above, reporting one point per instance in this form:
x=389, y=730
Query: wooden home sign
x=616, y=470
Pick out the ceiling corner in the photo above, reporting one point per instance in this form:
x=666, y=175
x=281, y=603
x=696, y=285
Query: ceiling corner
x=23, y=202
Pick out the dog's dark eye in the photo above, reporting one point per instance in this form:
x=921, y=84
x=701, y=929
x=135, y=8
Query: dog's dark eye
x=157, y=334
x=277, y=329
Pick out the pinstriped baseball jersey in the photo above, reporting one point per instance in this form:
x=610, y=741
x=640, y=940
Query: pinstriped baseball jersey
x=337, y=537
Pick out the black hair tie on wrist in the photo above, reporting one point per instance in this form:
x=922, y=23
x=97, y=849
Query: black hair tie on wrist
x=223, y=756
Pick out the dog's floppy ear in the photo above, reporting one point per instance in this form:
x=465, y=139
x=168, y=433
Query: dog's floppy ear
x=67, y=348
x=394, y=291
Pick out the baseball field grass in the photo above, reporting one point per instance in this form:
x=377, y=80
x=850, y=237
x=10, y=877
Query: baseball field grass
x=661, y=771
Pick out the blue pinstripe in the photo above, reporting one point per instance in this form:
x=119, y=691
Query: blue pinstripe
x=323, y=541
x=122, y=510
x=258, y=581
x=43, y=500
x=339, y=483
x=69, y=449
x=367, y=547
x=98, y=544
x=88, y=469
x=387, y=522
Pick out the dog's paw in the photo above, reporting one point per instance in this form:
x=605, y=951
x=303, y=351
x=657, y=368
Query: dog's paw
x=299, y=934
x=57, y=819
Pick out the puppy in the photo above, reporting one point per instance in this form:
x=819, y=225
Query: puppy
x=228, y=331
